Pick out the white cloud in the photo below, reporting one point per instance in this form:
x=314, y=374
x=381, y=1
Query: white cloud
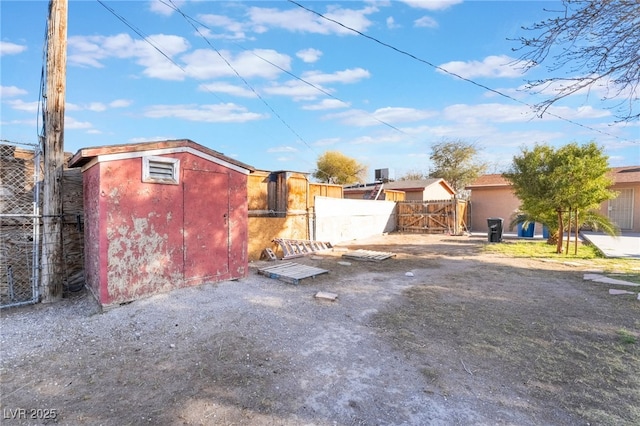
x=583, y=112
x=227, y=88
x=163, y=8
x=302, y=21
x=390, y=115
x=345, y=76
x=327, y=141
x=309, y=55
x=431, y=4
x=11, y=91
x=260, y=20
x=391, y=23
x=21, y=105
x=92, y=51
x=206, y=64
x=7, y=48
x=299, y=90
x=491, y=66
x=216, y=113
x=493, y=112
x=282, y=149
x=326, y=104
x=295, y=89
x=425, y=22
x=71, y=123
x=120, y=103
x=232, y=29
x=96, y=107
x=504, y=113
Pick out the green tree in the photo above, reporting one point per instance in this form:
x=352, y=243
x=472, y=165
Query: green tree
x=597, y=43
x=335, y=167
x=562, y=188
x=456, y=162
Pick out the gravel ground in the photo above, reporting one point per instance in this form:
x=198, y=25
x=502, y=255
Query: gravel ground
x=254, y=351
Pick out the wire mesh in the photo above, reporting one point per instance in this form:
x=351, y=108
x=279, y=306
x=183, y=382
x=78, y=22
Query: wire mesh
x=19, y=225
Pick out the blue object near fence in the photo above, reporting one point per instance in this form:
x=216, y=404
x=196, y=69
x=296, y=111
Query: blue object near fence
x=545, y=232
x=526, y=231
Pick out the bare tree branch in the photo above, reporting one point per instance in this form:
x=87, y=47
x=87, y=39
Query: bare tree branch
x=597, y=43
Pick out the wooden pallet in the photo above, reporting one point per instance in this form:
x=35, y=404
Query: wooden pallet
x=299, y=248
x=291, y=272
x=368, y=255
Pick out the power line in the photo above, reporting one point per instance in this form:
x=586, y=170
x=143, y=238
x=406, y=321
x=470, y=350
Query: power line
x=188, y=19
x=443, y=70
x=192, y=20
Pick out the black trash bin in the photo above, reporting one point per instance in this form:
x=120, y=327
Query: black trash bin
x=495, y=229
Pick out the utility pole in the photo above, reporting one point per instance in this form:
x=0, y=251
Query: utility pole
x=52, y=256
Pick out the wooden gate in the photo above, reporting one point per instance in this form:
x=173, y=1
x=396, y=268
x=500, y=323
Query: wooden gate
x=433, y=217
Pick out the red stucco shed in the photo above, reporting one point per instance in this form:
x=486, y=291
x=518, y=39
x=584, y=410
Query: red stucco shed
x=161, y=215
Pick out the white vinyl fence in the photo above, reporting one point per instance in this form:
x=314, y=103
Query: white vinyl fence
x=342, y=220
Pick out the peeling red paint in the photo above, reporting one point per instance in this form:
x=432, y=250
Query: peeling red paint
x=146, y=238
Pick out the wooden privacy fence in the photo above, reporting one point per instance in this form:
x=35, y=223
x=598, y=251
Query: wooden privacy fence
x=433, y=217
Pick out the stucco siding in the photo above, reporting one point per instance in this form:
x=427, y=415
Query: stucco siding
x=492, y=202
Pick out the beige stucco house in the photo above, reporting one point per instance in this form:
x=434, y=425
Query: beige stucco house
x=492, y=196
x=414, y=190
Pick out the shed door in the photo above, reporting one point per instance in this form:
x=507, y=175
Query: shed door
x=206, y=224
x=621, y=209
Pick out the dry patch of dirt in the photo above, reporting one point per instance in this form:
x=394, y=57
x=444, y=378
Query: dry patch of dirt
x=466, y=338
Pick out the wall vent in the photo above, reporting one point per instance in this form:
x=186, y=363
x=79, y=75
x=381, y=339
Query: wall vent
x=161, y=170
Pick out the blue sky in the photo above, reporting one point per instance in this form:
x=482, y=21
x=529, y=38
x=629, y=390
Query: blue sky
x=275, y=86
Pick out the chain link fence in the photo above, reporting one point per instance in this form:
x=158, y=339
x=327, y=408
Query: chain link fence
x=19, y=224
x=21, y=227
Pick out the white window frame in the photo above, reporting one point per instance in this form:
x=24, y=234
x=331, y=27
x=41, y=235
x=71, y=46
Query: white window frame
x=172, y=163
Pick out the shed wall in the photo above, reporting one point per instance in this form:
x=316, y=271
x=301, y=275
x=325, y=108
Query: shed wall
x=137, y=231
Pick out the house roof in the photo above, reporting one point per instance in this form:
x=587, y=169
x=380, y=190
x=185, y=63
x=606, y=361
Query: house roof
x=86, y=155
x=626, y=174
x=488, y=181
x=404, y=185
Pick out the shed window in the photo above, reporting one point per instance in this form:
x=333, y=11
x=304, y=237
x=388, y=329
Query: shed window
x=161, y=170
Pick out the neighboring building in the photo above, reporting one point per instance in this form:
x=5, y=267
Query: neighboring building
x=624, y=210
x=414, y=190
x=161, y=215
x=492, y=196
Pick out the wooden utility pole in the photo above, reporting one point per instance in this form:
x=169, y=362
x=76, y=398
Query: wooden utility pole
x=52, y=255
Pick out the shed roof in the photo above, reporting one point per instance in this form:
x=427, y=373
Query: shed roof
x=86, y=155
x=626, y=174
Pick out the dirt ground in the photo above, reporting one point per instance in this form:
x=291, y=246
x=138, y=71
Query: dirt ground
x=443, y=333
